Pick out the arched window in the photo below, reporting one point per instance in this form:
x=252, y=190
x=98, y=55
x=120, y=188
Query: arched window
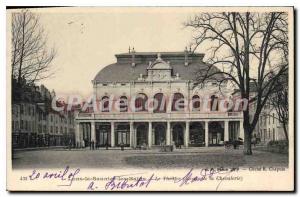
x=105, y=104
x=196, y=103
x=159, y=103
x=178, y=102
x=123, y=104
x=229, y=105
x=141, y=102
x=214, y=103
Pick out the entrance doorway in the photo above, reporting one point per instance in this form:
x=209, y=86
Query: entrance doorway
x=197, y=134
x=141, y=135
x=103, y=134
x=123, y=134
x=177, y=134
x=216, y=134
x=159, y=134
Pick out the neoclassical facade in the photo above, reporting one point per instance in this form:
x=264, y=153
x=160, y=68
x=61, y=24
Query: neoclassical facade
x=150, y=99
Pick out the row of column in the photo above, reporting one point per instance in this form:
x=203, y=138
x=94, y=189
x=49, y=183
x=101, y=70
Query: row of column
x=79, y=136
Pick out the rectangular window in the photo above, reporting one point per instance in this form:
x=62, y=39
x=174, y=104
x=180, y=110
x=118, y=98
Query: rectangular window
x=265, y=121
x=269, y=133
x=261, y=121
x=273, y=133
x=260, y=133
x=21, y=109
x=273, y=118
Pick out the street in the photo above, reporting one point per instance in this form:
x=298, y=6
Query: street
x=180, y=158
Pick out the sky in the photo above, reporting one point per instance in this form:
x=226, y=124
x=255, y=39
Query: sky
x=87, y=39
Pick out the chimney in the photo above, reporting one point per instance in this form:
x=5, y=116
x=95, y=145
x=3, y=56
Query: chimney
x=186, y=57
x=133, y=57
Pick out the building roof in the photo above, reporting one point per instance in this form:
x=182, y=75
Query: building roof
x=124, y=71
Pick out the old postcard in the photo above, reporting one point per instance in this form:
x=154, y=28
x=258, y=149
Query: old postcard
x=150, y=99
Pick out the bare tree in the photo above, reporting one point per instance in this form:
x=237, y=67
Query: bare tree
x=279, y=102
x=31, y=56
x=246, y=49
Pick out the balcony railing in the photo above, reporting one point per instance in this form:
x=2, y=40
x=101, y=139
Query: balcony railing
x=158, y=116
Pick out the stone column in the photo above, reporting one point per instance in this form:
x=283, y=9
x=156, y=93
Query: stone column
x=112, y=134
x=93, y=132
x=226, y=132
x=81, y=135
x=134, y=137
x=206, y=133
x=168, y=134
x=187, y=134
x=131, y=134
x=153, y=136
x=77, y=133
x=241, y=129
x=150, y=135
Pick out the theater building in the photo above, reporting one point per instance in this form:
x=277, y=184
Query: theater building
x=151, y=99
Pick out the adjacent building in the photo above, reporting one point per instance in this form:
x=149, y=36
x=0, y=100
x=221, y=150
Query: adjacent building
x=269, y=128
x=35, y=124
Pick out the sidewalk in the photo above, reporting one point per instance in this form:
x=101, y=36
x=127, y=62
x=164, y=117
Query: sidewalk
x=39, y=148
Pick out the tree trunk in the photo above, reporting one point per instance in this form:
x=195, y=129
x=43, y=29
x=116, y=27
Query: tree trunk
x=285, y=131
x=247, y=142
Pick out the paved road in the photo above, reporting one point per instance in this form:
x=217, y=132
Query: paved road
x=184, y=158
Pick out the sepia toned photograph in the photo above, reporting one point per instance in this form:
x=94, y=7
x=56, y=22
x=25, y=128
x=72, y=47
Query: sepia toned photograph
x=150, y=99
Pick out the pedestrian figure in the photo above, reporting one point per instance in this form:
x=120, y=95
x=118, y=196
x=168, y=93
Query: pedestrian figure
x=70, y=144
x=235, y=144
x=106, y=145
x=83, y=144
x=253, y=141
x=93, y=145
x=122, y=146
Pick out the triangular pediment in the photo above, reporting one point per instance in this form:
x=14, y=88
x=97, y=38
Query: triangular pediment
x=159, y=64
